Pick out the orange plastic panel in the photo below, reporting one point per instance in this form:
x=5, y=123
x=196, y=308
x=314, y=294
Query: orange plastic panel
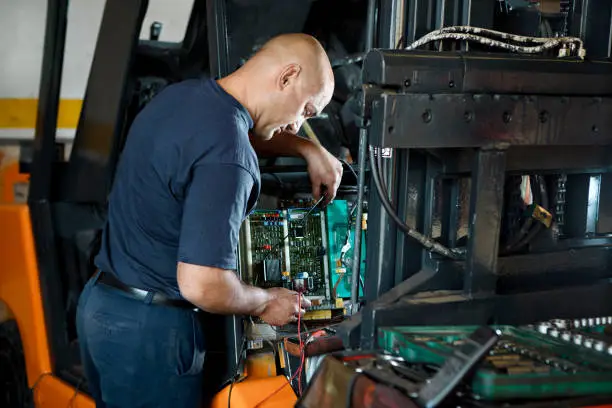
x=9, y=177
x=20, y=290
x=20, y=287
x=51, y=392
x=254, y=392
x=261, y=365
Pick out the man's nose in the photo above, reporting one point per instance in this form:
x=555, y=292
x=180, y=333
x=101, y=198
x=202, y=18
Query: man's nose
x=295, y=126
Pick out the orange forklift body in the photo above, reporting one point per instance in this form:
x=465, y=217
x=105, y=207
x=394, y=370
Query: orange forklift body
x=20, y=291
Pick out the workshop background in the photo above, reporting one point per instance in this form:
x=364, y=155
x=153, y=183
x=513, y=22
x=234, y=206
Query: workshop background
x=23, y=22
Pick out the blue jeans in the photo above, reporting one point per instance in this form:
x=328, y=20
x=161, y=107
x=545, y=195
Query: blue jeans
x=138, y=354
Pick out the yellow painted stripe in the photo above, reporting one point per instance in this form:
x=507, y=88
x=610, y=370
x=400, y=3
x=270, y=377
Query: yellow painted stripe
x=18, y=113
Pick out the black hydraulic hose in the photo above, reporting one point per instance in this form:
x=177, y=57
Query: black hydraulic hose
x=527, y=226
x=527, y=238
x=370, y=25
x=427, y=242
x=512, y=243
x=355, y=270
x=383, y=173
x=535, y=230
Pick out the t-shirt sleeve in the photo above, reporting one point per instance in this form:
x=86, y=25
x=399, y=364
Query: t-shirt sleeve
x=215, y=205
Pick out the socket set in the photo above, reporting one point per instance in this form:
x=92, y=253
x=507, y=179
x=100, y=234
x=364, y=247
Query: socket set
x=524, y=364
x=590, y=333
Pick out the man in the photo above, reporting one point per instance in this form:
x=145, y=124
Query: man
x=187, y=178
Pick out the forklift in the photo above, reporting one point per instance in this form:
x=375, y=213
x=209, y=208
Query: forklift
x=419, y=124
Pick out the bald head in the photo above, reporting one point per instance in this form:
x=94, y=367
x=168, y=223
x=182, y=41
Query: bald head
x=301, y=49
x=287, y=81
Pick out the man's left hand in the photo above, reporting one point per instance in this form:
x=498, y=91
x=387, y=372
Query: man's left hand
x=324, y=170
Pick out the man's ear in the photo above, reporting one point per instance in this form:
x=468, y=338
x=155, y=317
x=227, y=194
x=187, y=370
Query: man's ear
x=289, y=75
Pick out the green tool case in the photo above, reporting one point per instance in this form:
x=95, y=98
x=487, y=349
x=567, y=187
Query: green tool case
x=523, y=364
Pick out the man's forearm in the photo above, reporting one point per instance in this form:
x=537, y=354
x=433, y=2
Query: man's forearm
x=232, y=296
x=220, y=291
x=284, y=144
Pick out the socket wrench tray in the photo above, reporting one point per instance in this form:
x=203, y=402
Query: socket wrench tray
x=524, y=364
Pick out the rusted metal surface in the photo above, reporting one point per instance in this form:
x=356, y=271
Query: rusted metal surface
x=316, y=347
x=337, y=385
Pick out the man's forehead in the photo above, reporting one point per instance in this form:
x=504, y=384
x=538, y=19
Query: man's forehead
x=322, y=98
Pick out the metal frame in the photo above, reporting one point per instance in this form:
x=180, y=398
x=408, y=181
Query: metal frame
x=528, y=102
x=41, y=175
x=48, y=213
x=89, y=174
x=66, y=198
x=459, y=108
x=217, y=38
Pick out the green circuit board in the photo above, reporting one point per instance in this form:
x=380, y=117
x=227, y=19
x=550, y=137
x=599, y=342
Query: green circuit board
x=340, y=248
x=298, y=245
x=307, y=248
x=523, y=364
x=287, y=248
x=267, y=230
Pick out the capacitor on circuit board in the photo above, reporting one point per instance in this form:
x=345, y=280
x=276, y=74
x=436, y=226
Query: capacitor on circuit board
x=302, y=282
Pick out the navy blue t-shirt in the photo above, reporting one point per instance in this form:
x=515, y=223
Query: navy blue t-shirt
x=187, y=178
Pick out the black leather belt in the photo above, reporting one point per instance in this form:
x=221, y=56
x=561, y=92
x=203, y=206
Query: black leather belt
x=140, y=294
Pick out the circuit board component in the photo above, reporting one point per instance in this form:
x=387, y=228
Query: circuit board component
x=266, y=232
x=341, y=246
x=307, y=251
x=288, y=247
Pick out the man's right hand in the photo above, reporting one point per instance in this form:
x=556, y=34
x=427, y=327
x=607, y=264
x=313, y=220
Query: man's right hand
x=220, y=291
x=282, y=308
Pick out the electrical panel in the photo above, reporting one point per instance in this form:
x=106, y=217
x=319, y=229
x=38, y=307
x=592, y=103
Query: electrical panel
x=341, y=237
x=301, y=247
x=266, y=232
x=307, y=268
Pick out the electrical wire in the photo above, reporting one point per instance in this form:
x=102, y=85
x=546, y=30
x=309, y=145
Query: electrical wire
x=354, y=208
x=350, y=222
x=530, y=228
x=352, y=212
x=302, y=353
x=539, y=226
x=297, y=373
x=546, y=29
x=37, y=382
x=303, y=221
x=476, y=34
x=381, y=170
x=76, y=393
x=346, y=242
x=275, y=176
x=236, y=375
x=527, y=223
x=348, y=165
x=262, y=336
x=537, y=49
x=505, y=36
x=427, y=242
